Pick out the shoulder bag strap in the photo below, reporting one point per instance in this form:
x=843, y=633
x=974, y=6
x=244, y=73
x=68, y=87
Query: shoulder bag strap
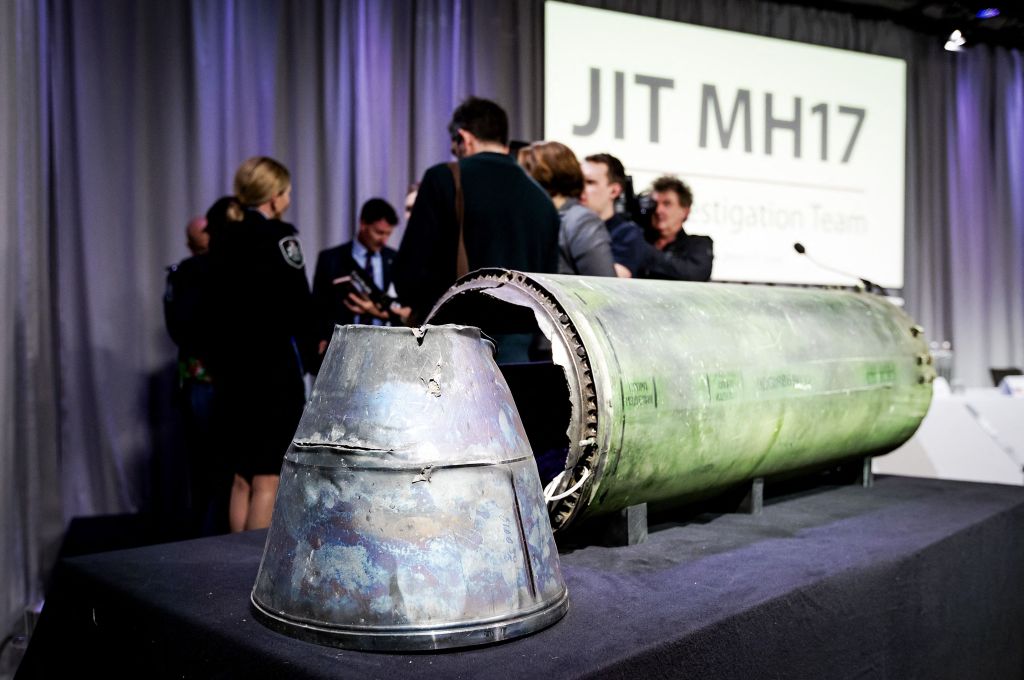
x=462, y=260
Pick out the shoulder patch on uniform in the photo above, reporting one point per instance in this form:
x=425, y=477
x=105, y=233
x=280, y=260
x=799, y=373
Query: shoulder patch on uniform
x=292, y=251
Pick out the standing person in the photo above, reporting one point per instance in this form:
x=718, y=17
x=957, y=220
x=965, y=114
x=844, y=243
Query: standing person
x=369, y=255
x=584, y=246
x=507, y=219
x=184, y=312
x=187, y=316
x=263, y=319
x=690, y=256
x=604, y=180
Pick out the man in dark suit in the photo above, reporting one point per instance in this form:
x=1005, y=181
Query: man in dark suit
x=367, y=256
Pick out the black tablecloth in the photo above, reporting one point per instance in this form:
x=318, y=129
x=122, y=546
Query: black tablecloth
x=912, y=578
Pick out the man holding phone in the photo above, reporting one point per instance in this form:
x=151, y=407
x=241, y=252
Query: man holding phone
x=352, y=282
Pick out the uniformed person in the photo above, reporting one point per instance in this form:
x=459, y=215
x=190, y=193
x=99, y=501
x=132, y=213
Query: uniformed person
x=263, y=335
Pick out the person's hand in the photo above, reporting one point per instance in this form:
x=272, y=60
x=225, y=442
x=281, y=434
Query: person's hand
x=403, y=313
x=322, y=347
x=360, y=304
x=622, y=271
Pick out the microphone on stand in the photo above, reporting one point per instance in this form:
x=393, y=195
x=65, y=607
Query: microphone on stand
x=869, y=286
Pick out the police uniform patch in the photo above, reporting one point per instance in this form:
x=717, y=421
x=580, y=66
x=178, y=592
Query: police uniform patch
x=292, y=251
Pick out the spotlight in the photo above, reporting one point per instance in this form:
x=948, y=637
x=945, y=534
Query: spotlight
x=987, y=13
x=955, y=42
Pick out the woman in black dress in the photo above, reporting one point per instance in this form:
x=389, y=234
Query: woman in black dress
x=262, y=331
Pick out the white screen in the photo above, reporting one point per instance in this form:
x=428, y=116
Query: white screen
x=823, y=167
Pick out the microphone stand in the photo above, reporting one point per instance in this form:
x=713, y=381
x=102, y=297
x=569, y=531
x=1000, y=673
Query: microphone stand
x=868, y=285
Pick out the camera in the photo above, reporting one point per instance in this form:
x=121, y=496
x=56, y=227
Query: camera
x=639, y=208
x=359, y=282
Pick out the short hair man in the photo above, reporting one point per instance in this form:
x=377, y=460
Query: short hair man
x=185, y=302
x=185, y=298
x=370, y=257
x=689, y=256
x=188, y=317
x=508, y=220
x=604, y=180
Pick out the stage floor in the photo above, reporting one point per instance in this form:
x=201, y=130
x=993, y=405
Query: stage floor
x=912, y=578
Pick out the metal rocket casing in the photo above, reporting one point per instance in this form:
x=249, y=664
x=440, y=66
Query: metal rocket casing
x=676, y=389
x=409, y=515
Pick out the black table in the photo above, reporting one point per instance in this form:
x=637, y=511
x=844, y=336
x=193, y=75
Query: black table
x=912, y=578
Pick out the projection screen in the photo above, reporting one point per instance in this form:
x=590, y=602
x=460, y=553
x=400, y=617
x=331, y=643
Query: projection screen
x=781, y=142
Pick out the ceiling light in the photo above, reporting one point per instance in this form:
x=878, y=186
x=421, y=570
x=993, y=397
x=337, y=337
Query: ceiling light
x=955, y=42
x=987, y=13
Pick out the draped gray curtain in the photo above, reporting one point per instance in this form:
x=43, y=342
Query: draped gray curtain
x=985, y=114
x=30, y=490
x=121, y=119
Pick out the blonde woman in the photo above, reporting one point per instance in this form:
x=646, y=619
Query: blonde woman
x=262, y=325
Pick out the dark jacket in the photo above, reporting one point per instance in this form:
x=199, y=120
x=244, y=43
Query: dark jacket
x=687, y=258
x=509, y=222
x=328, y=299
x=261, y=305
x=628, y=245
x=186, y=308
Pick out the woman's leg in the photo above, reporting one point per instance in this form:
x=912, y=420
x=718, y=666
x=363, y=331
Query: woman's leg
x=261, y=505
x=238, y=510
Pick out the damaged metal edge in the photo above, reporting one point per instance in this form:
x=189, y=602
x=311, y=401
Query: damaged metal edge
x=551, y=315
x=414, y=465
x=355, y=448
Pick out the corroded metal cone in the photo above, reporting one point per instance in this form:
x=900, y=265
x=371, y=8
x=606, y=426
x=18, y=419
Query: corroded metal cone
x=410, y=514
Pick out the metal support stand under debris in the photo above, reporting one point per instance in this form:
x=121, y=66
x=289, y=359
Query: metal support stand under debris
x=866, y=478
x=627, y=526
x=753, y=502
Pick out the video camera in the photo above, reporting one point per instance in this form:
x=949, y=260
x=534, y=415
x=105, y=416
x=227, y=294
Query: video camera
x=640, y=208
